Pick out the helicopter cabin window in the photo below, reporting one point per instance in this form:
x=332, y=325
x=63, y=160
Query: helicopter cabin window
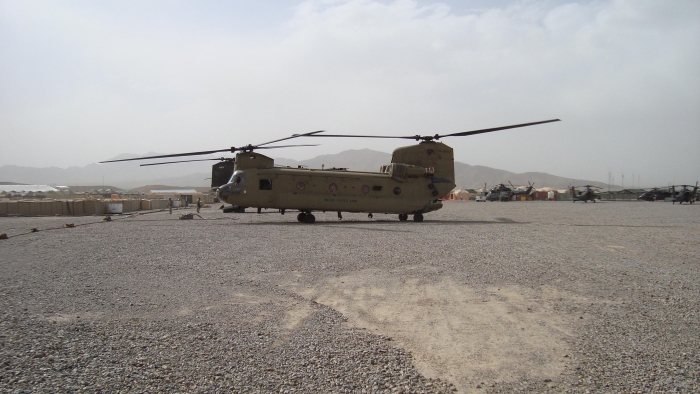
x=376, y=188
x=265, y=184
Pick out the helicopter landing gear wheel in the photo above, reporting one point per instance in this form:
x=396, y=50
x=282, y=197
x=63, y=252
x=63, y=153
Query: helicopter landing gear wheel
x=418, y=217
x=403, y=217
x=305, y=217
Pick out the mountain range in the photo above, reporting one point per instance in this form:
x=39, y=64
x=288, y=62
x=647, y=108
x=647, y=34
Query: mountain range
x=129, y=175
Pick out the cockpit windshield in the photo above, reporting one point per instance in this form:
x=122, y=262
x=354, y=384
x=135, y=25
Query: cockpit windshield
x=237, y=179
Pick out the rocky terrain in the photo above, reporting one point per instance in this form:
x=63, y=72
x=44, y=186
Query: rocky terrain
x=495, y=298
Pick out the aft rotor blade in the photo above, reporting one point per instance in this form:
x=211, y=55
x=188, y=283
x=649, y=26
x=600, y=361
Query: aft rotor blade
x=283, y=146
x=184, y=161
x=436, y=136
x=288, y=138
x=174, y=155
x=358, y=136
x=473, y=132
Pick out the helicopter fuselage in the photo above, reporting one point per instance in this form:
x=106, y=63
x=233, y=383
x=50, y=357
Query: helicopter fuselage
x=417, y=177
x=585, y=196
x=654, y=195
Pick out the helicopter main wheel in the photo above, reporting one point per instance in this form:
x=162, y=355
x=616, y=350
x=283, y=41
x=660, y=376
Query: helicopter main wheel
x=418, y=217
x=403, y=217
x=306, y=218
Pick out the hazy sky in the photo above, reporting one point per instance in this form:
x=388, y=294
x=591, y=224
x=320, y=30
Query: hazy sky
x=83, y=81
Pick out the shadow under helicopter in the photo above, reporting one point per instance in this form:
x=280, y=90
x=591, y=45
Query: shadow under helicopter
x=346, y=222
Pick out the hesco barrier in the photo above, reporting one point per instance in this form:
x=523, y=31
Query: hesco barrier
x=75, y=207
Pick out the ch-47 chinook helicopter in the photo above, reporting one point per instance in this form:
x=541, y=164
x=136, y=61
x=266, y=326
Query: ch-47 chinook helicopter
x=587, y=195
x=411, y=185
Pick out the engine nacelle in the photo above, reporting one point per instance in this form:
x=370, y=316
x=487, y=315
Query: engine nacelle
x=401, y=171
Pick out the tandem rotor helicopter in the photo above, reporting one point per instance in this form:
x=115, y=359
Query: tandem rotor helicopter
x=411, y=184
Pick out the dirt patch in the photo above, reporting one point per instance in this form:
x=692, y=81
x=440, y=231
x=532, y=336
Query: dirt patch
x=74, y=317
x=454, y=332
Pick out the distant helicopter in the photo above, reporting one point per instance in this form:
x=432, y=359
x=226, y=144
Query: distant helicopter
x=418, y=176
x=499, y=192
x=685, y=194
x=655, y=194
x=519, y=192
x=587, y=195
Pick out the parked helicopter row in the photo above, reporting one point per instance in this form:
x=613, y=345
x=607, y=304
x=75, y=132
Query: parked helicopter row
x=412, y=184
x=585, y=193
x=685, y=194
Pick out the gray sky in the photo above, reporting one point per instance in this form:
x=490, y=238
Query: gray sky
x=84, y=81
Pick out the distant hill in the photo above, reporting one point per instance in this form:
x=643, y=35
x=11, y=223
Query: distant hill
x=127, y=175
x=130, y=175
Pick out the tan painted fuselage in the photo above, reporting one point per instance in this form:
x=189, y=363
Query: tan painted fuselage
x=417, y=177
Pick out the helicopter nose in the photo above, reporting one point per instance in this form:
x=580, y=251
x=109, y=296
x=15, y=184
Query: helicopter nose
x=223, y=192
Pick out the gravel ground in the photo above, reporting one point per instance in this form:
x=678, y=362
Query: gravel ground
x=493, y=297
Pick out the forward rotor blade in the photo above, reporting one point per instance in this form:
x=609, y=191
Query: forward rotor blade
x=219, y=158
x=184, y=161
x=207, y=152
x=473, y=132
x=174, y=155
